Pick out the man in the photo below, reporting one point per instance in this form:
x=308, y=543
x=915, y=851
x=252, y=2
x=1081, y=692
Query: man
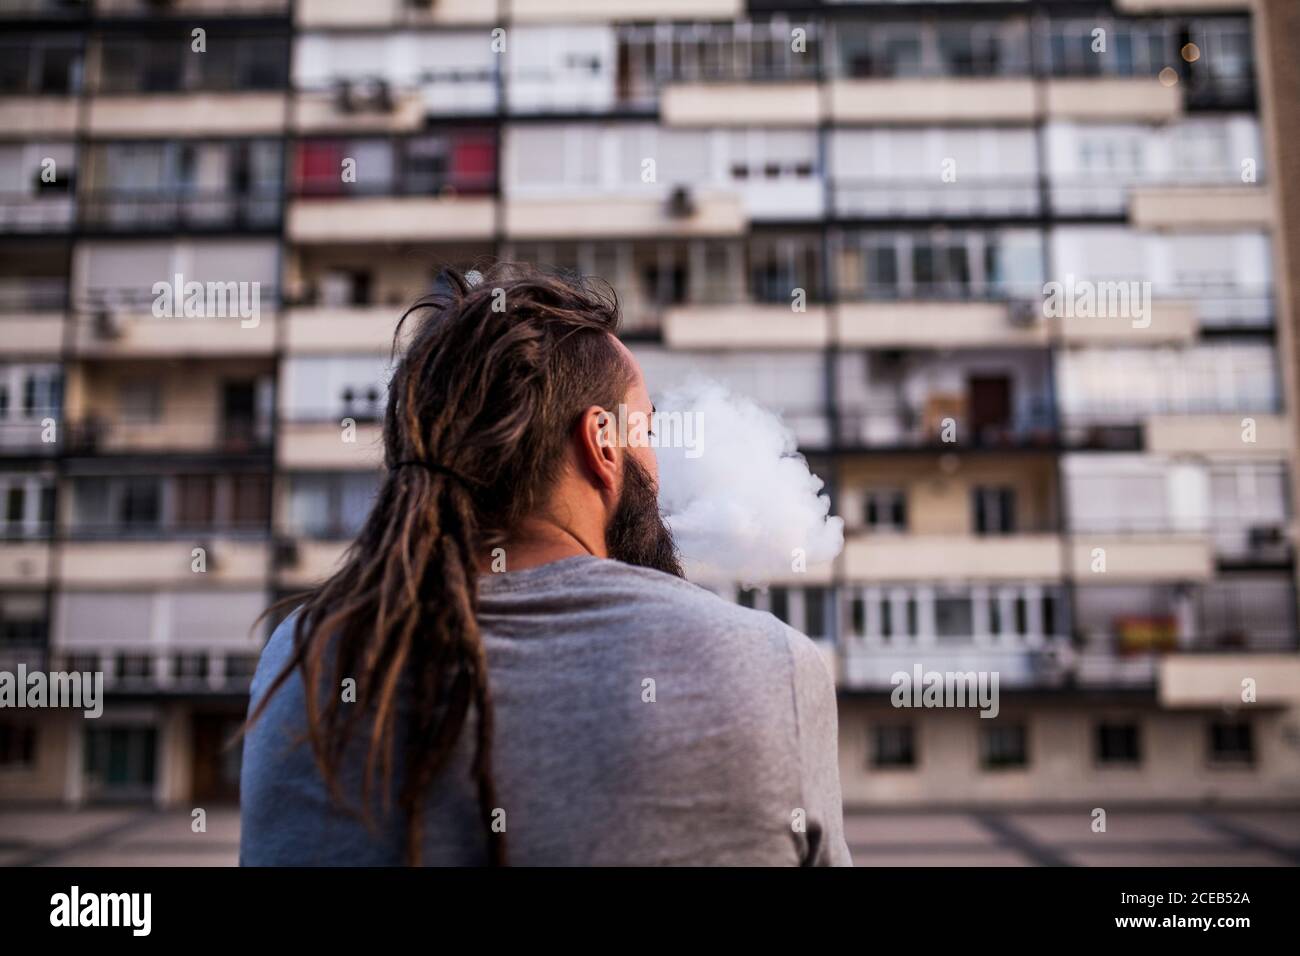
x=508, y=666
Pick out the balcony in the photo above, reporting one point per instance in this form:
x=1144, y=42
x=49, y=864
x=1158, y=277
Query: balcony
x=332, y=330
x=43, y=117
x=27, y=434
x=207, y=434
x=142, y=211
x=312, y=14
x=115, y=331
x=355, y=107
x=1214, y=681
x=953, y=557
x=684, y=213
x=745, y=326
x=1200, y=207
x=1170, y=323
x=1127, y=632
x=943, y=423
x=940, y=324
x=891, y=198
x=24, y=563
x=741, y=104
x=933, y=100
x=31, y=316
x=1141, y=557
x=171, y=114
x=391, y=219
x=1223, y=434
x=1113, y=99
x=1019, y=662
x=165, y=563
x=325, y=445
x=604, y=11
x=27, y=214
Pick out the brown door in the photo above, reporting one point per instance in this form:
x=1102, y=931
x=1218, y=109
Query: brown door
x=216, y=767
x=990, y=402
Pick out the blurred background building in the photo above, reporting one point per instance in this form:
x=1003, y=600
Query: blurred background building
x=848, y=211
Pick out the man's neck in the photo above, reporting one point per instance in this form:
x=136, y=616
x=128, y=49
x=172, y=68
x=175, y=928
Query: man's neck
x=541, y=542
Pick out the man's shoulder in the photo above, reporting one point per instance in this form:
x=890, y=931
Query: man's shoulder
x=678, y=610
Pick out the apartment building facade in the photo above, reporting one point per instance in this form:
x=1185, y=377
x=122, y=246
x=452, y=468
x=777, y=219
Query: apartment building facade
x=1007, y=269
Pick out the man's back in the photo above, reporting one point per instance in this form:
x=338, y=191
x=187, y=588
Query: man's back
x=639, y=720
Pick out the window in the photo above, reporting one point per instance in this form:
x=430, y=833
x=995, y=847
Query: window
x=893, y=745
x=1118, y=744
x=994, y=510
x=885, y=509
x=17, y=746
x=1232, y=743
x=1004, y=747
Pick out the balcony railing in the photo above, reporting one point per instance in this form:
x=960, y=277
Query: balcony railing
x=101, y=301
x=23, y=213
x=158, y=529
x=884, y=197
x=150, y=210
x=925, y=426
x=411, y=184
x=93, y=436
x=32, y=295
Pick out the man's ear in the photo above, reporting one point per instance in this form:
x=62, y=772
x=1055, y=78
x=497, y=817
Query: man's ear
x=596, y=438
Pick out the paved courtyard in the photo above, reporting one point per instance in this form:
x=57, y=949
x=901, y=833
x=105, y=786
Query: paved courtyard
x=139, y=837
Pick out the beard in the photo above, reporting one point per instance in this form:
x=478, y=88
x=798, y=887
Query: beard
x=637, y=533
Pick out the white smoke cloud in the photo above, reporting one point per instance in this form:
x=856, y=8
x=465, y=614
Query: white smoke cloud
x=742, y=501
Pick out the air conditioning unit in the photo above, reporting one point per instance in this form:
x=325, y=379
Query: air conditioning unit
x=107, y=324
x=681, y=202
x=284, y=553
x=1022, y=313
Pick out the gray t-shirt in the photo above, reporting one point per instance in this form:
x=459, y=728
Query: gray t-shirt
x=640, y=720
